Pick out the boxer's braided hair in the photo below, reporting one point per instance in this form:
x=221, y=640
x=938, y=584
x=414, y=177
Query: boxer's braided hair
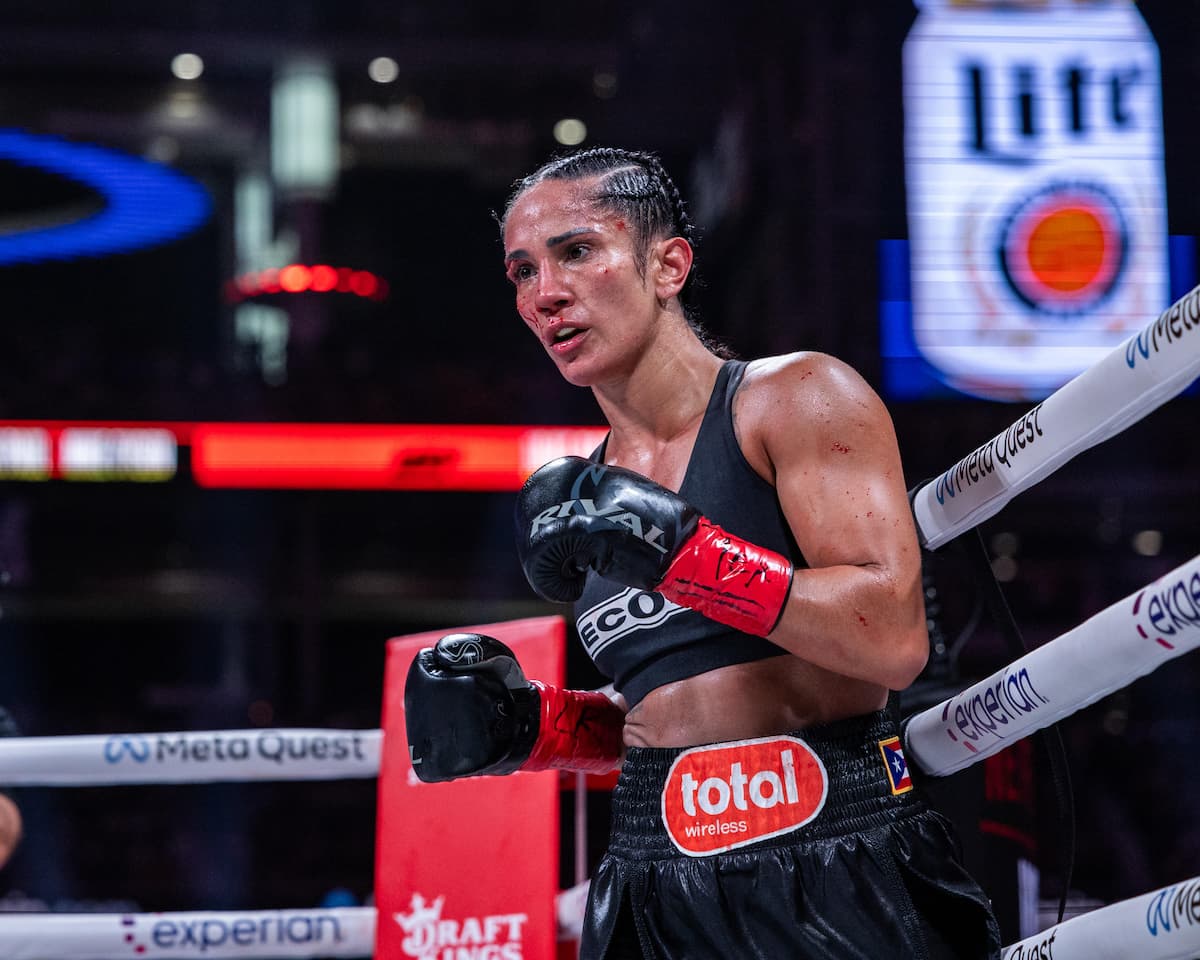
x=633, y=185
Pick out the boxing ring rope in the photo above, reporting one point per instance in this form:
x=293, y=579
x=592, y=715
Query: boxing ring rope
x=1124, y=386
x=197, y=756
x=1108, y=651
x=1124, y=641
x=1163, y=925
x=1104, y=653
x=337, y=932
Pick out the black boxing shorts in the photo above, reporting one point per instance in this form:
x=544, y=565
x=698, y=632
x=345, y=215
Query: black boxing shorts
x=809, y=845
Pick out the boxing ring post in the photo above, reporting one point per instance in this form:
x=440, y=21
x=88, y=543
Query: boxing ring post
x=1136, y=378
x=581, y=790
x=471, y=865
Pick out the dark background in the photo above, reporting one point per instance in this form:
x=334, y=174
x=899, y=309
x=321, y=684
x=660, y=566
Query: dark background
x=138, y=607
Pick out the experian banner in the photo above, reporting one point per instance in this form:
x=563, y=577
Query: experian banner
x=1036, y=198
x=339, y=932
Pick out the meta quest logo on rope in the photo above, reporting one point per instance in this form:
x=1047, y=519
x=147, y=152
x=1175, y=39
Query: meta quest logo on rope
x=1036, y=197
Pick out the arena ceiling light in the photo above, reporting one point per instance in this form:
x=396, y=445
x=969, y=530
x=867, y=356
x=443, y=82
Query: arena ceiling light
x=187, y=66
x=383, y=70
x=144, y=203
x=570, y=131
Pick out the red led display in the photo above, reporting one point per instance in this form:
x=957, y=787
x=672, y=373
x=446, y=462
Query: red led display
x=315, y=456
x=301, y=278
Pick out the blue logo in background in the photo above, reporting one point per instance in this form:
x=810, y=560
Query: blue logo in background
x=144, y=203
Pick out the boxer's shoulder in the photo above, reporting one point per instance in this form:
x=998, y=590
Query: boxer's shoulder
x=795, y=400
x=812, y=389
x=804, y=377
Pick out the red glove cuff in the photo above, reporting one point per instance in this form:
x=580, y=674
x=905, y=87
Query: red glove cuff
x=580, y=730
x=729, y=580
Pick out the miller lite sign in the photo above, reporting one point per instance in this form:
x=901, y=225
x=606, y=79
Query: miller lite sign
x=1036, y=197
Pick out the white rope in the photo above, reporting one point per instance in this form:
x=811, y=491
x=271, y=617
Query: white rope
x=340, y=932
x=1136, y=378
x=1161, y=925
x=1104, y=653
x=198, y=756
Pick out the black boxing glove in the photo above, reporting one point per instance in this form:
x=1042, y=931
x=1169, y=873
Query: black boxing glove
x=470, y=711
x=573, y=515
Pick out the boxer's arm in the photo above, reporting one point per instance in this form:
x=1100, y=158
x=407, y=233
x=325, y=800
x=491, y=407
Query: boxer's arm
x=812, y=425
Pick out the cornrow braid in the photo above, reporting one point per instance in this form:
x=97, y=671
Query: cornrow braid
x=634, y=185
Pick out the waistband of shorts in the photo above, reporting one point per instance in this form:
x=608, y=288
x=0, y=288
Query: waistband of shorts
x=860, y=792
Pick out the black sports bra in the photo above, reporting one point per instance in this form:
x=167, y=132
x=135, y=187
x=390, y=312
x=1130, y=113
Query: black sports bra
x=640, y=639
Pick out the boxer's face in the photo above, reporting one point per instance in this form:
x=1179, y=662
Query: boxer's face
x=577, y=281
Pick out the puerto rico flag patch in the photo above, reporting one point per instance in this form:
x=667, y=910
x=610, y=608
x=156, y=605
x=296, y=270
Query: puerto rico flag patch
x=897, y=766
